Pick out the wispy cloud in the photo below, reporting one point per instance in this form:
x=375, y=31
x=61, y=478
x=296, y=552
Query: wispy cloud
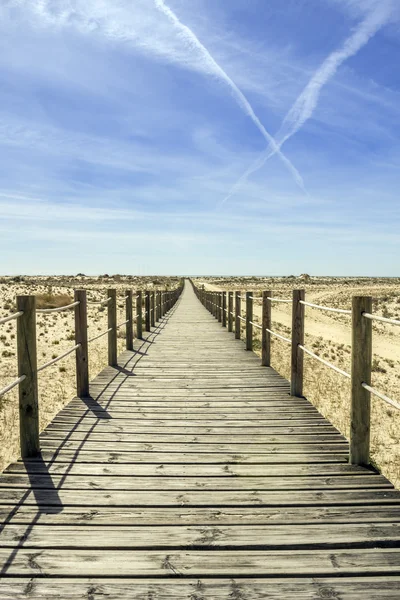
x=192, y=42
x=304, y=107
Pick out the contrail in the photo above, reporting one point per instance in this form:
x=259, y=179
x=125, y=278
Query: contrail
x=306, y=103
x=214, y=68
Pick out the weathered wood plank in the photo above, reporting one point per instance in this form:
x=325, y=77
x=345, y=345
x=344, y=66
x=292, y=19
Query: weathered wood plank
x=106, y=482
x=92, y=497
x=197, y=563
x=305, y=588
x=184, y=470
x=241, y=515
x=208, y=536
x=107, y=457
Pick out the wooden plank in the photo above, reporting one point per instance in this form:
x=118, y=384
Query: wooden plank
x=197, y=563
x=184, y=470
x=106, y=482
x=92, y=498
x=212, y=446
x=267, y=537
x=241, y=515
x=250, y=588
x=192, y=455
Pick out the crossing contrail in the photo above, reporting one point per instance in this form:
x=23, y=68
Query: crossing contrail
x=306, y=103
x=214, y=69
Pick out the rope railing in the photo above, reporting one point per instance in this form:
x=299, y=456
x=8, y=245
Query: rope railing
x=328, y=308
x=58, y=358
x=100, y=335
x=12, y=317
x=12, y=385
x=379, y=318
x=122, y=324
x=278, y=335
x=360, y=376
x=100, y=302
x=378, y=394
x=324, y=362
x=56, y=310
x=278, y=300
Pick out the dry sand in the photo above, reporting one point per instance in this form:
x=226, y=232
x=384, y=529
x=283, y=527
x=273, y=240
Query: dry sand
x=329, y=336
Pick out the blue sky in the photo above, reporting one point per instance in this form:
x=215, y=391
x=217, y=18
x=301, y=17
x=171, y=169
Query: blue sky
x=200, y=136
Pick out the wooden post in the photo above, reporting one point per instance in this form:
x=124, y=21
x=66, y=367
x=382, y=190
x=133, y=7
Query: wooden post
x=296, y=381
x=129, y=318
x=361, y=366
x=139, y=315
x=230, y=311
x=147, y=310
x=28, y=388
x=265, y=335
x=237, y=315
x=219, y=303
x=158, y=305
x=112, y=323
x=223, y=309
x=81, y=337
x=153, y=310
x=249, y=319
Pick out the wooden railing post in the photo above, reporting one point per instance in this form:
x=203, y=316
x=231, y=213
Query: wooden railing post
x=28, y=388
x=162, y=304
x=249, y=319
x=223, y=309
x=219, y=302
x=139, y=315
x=129, y=318
x=296, y=380
x=81, y=337
x=112, y=323
x=361, y=366
x=153, y=309
x=230, y=311
x=147, y=310
x=158, y=297
x=265, y=335
x=237, y=315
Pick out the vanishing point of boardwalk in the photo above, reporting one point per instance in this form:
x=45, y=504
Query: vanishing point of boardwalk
x=191, y=473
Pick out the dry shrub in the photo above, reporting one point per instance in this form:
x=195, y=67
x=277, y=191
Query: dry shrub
x=50, y=300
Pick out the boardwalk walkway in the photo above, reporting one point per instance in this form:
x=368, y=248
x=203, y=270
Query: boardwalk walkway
x=190, y=473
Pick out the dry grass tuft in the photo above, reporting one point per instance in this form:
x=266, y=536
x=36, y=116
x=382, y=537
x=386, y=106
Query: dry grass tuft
x=50, y=300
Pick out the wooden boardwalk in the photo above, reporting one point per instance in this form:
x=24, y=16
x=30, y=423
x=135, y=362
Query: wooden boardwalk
x=191, y=474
